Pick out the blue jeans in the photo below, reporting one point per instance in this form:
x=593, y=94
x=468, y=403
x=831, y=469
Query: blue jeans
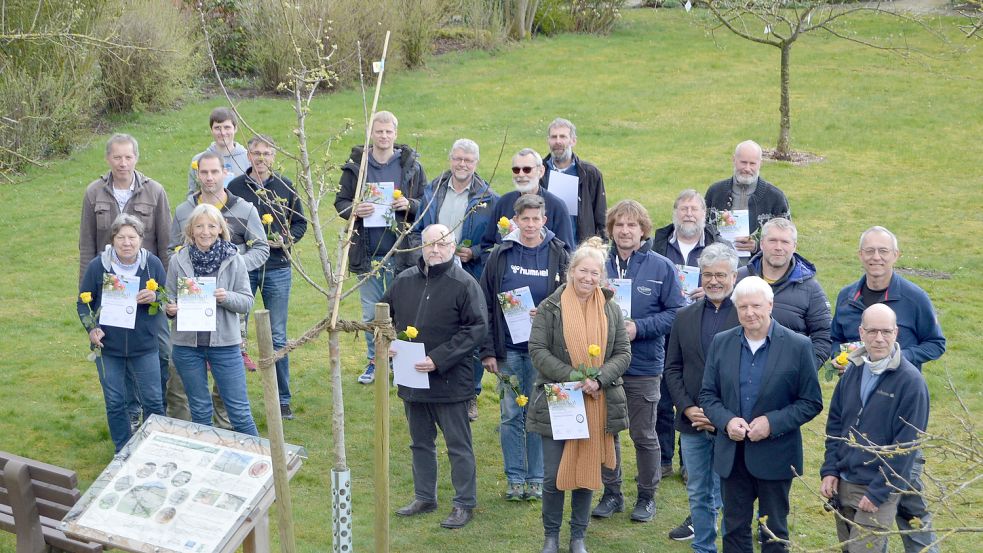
x=370, y=293
x=230, y=376
x=522, y=451
x=275, y=287
x=113, y=373
x=133, y=406
x=703, y=489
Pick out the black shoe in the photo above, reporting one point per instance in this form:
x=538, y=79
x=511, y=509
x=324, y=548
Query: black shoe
x=609, y=505
x=685, y=474
x=644, y=510
x=577, y=545
x=286, y=413
x=684, y=531
x=459, y=517
x=551, y=544
x=417, y=507
x=667, y=470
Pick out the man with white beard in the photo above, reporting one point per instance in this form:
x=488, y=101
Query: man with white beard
x=527, y=169
x=592, y=204
x=746, y=190
x=683, y=240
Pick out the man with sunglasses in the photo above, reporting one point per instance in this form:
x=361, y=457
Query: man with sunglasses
x=527, y=170
x=919, y=335
x=592, y=203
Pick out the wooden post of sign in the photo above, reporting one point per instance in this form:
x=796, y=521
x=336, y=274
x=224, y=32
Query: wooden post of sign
x=271, y=396
x=382, y=430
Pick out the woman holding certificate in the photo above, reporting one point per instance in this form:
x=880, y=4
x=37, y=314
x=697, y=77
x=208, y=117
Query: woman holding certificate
x=579, y=347
x=207, y=289
x=114, y=305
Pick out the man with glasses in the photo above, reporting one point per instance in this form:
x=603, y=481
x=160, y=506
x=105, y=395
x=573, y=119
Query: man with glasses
x=274, y=196
x=881, y=401
x=689, y=341
x=527, y=170
x=446, y=306
x=919, y=335
x=589, y=218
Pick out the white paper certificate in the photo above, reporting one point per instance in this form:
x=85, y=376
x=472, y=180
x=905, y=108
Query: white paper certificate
x=568, y=417
x=733, y=225
x=689, y=280
x=622, y=294
x=515, y=306
x=196, y=304
x=407, y=355
x=380, y=194
x=567, y=188
x=119, y=300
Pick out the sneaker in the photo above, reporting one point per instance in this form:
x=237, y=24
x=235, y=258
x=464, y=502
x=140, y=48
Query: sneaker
x=286, y=413
x=644, y=510
x=250, y=365
x=609, y=505
x=368, y=377
x=134, y=422
x=534, y=491
x=515, y=492
x=473, y=409
x=684, y=531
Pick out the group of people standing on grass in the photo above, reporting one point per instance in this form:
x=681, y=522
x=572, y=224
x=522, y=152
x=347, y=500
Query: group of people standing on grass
x=664, y=330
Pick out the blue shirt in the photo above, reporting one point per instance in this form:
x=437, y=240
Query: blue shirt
x=868, y=381
x=752, y=369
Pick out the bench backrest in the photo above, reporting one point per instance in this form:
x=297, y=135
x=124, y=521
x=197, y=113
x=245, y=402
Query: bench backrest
x=55, y=488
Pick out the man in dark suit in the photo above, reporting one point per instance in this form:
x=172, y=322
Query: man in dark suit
x=689, y=341
x=759, y=387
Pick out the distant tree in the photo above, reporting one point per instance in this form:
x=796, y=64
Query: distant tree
x=519, y=15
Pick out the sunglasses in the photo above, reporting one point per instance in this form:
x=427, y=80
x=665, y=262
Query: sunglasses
x=526, y=170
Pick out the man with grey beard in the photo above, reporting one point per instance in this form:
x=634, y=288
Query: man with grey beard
x=746, y=190
x=592, y=204
x=527, y=169
x=683, y=240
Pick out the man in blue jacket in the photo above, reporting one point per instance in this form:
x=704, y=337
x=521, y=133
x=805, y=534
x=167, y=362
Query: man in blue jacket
x=653, y=295
x=882, y=400
x=919, y=335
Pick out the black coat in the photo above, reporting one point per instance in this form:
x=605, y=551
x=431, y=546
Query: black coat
x=592, y=206
x=448, y=310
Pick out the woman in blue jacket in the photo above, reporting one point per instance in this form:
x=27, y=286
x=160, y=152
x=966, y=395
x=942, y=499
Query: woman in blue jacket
x=121, y=351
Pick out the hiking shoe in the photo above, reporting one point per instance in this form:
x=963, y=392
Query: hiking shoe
x=609, y=505
x=286, y=413
x=684, y=531
x=473, y=409
x=534, y=491
x=667, y=471
x=250, y=365
x=368, y=377
x=644, y=510
x=515, y=492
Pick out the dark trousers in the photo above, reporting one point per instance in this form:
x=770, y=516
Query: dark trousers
x=739, y=491
x=553, y=498
x=664, y=426
x=423, y=420
x=643, y=399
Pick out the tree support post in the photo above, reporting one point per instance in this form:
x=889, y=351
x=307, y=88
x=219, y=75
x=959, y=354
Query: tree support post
x=382, y=341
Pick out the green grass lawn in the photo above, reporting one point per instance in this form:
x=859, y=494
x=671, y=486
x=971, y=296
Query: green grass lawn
x=659, y=108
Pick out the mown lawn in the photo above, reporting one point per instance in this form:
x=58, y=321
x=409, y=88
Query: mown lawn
x=659, y=108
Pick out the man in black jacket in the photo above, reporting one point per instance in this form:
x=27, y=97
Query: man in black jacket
x=282, y=215
x=446, y=306
x=689, y=341
x=589, y=219
x=388, y=162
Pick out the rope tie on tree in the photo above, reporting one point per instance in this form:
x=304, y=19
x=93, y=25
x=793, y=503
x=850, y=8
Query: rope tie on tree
x=384, y=329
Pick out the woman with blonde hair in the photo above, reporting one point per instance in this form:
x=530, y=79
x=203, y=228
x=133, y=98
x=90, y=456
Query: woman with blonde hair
x=579, y=327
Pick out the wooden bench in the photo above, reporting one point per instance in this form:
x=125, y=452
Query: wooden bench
x=34, y=497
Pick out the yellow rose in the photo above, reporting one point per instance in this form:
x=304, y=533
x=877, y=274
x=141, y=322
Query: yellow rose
x=842, y=358
x=86, y=297
x=194, y=165
x=504, y=222
x=177, y=249
x=522, y=401
x=594, y=350
x=267, y=218
x=152, y=285
x=411, y=332
x=397, y=194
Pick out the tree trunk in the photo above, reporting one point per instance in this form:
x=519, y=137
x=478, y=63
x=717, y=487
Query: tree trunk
x=784, y=148
x=337, y=402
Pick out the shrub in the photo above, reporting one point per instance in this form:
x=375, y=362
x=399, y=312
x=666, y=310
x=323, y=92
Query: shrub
x=416, y=33
x=228, y=37
x=596, y=17
x=156, y=60
x=553, y=17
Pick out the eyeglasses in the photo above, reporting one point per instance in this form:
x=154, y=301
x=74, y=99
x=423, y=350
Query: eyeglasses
x=262, y=154
x=442, y=244
x=526, y=170
x=885, y=332
x=868, y=252
x=464, y=160
x=711, y=276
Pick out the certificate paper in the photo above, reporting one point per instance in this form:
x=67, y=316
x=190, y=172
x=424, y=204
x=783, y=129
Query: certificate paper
x=196, y=304
x=119, y=300
x=407, y=355
x=689, y=280
x=568, y=417
x=733, y=225
x=515, y=306
x=567, y=188
x=381, y=195
x=622, y=294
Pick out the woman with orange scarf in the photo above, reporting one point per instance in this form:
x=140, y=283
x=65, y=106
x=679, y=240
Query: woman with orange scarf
x=574, y=319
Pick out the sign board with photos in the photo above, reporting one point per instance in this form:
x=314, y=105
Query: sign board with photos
x=180, y=487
